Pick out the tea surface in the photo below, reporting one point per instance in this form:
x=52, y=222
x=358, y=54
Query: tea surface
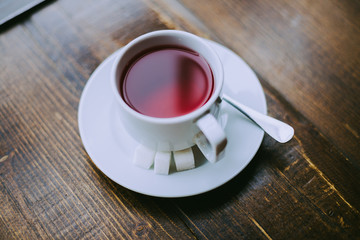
x=167, y=82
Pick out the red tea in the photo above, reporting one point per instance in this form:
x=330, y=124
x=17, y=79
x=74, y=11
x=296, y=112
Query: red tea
x=167, y=82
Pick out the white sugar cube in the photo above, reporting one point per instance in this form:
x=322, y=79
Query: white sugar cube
x=143, y=157
x=162, y=162
x=184, y=159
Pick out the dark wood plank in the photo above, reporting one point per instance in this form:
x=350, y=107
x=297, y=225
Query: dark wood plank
x=307, y=59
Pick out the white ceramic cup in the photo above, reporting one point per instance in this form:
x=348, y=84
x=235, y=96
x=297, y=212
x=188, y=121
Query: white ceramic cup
x=176, y=133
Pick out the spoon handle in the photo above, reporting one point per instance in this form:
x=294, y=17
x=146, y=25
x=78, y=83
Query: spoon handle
x=278, y=130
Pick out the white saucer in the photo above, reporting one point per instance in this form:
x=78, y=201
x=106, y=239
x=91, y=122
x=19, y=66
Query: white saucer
x=111, y=148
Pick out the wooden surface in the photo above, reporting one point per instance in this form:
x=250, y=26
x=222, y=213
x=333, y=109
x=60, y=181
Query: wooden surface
x=307, y=57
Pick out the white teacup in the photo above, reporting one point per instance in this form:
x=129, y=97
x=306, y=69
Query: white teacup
x=175, y=133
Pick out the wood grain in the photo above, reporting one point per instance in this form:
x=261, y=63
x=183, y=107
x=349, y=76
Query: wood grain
x=306, y=56
x=307, y=51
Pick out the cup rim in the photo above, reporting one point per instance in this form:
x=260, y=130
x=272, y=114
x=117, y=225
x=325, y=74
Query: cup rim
x=172, y=120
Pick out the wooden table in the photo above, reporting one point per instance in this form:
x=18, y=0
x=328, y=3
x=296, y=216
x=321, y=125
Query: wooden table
x=306, y=55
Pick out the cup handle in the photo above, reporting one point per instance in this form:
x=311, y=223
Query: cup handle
x=211, y=140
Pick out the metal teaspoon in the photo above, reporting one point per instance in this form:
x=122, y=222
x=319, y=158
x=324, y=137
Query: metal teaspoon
x=278, y=130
